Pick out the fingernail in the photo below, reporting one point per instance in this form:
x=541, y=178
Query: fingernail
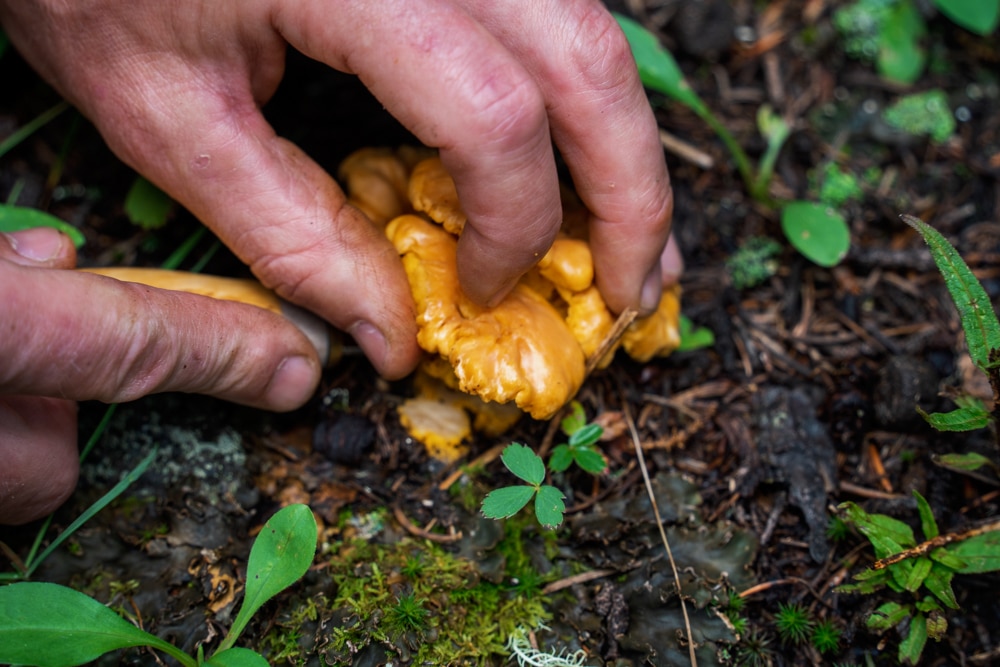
x=652, y=290
x=292, y=384
x=371, y=340
x=39, y=244
x=672, y=263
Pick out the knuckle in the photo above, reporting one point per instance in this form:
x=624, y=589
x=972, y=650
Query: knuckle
x=599, y=51
x=508, y=108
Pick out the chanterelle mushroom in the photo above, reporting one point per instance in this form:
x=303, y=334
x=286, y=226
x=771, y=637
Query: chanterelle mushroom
x=531, y=349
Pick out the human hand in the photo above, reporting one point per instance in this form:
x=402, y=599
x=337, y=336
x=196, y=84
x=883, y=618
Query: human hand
x=70, y=336
x=175, y=89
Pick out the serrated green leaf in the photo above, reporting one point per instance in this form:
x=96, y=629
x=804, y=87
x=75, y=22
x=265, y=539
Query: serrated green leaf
x=586, y=435
x=888, y=615
x=965, y=462
x=549, y=506
x=921, y=568
x=561, y=459
x=524, y=463
x=236, y=657
x=817, y=231
x=280, y=555
x=927, y=522
x=978, y=16
x=692, y=337
x=912, y=646
x=575, y=420
x=48, y=625
x=969, y=418
x=979, y=321
x=980, y=553
x=506, y=501
x=590, y=460
x=938, y=582
x=147, y=205
x=18, y=218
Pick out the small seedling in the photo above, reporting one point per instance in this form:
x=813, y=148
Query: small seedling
x=904, y=566
x=505, y=502
x=825, y=637
x=817, y=231
x=580, y=449
x=146, y=205
x=407, y=615
x=794, y=623
x=49, y=625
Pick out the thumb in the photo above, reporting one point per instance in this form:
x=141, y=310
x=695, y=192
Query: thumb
x=82, y=336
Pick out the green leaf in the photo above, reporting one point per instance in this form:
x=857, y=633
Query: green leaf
x=969, y=418
x=868, y=582
x=900, y=55
x=887, y=535
x=48, y=625
x=887, y=616
x=980, y=553
x=280, y=555
x=524, y=463
x=561, y=459
x=506, y=501
x=147, y=205
x=236, y=657
x=817, y=231
x=549, y=506
x=921, y=568
x=912, y=646
x=966, y=462
x=692, y=337
x=982, y=330
x=17, y=218
x=927, y=523
x=575, y=420
x=590, y=460
x=948, y=559
x=978, y=16
x=586, y=435
x=657, y=67
x=938, y=582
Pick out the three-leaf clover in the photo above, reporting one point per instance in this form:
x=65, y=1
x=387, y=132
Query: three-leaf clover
x=580, y=447
x=509, y=500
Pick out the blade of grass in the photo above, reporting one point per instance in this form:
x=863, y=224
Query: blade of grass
x=32, y=126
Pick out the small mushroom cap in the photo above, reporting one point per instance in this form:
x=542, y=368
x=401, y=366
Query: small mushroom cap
x=432, y=191
x=520, y=351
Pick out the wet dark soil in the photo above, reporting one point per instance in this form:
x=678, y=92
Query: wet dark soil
x=807, y=398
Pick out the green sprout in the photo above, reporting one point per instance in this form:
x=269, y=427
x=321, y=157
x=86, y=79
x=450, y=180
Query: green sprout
x=794, y=623
x=580, y=448
x=146, y=205
x=507, y=501
x=407, y=615
x=54, y=626
x=826, y=637
x=755, y=650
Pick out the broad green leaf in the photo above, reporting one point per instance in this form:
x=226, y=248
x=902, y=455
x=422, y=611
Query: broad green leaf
x=692, y=337
x=921, y=568
x=938, y=582
x=980, y=553
x=868, y=582
x=978, y=16
x=17, y=218
x=902, y=573
x=147, y=205
x=280, y=555
x=586, y=435
x=889, y=536
x=48, y=625
x=561, y=459
x=575, y=420
x=236, y=657
x=901, y=56
x=982, y=330
x=948, y=559
x=657, y=67
x=927, y=523
x=969, y=418
x=549, y=506
x=817, y=231
x=506, y=502
x=590, y=460
x=887, y=616
x=966, y=462
x=524, y=463
x=912, y=646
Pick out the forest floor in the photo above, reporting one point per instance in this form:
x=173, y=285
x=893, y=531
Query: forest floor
x=807, y=399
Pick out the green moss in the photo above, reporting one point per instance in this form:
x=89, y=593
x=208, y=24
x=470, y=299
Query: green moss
x=837, y=187
x=754, y=262
x=923, y=114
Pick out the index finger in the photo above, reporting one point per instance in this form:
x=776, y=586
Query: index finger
x=456, y=87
